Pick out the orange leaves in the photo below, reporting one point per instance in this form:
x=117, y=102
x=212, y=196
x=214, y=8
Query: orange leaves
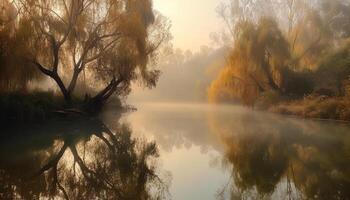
x=259, y=54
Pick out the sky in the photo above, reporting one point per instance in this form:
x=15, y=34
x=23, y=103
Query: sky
x=192, y=21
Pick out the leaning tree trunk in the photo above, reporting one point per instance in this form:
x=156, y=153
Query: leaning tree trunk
x=96, y=103
x=271, y=83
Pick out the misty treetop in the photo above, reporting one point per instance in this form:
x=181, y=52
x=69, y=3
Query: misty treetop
x=105, y=43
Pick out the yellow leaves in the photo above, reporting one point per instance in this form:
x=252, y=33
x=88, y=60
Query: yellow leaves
x=254, y=65
x=232, y=85
x=7, y=12
x=79, y=28
x=219, y=90
x=107, y=38
x=144, y=10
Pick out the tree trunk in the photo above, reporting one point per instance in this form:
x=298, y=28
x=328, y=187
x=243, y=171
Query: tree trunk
x=271, y=82
x=74, y=81
x=64, y=91
x=96, y=103
x=54, y=75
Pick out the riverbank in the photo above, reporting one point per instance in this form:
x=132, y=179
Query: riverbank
x=42, y=106
x=315, y=107
x=36, y=106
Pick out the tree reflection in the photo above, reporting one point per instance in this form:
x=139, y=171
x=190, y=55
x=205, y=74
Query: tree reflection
x=81, y=161
x=270, y=157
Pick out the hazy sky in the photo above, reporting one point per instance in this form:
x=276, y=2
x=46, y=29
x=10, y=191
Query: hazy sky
x=192, y=21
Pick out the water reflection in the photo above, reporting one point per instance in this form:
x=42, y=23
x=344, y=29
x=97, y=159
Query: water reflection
x=282, y=158
x=263, y=156
x=78, y=160
x=223, y=152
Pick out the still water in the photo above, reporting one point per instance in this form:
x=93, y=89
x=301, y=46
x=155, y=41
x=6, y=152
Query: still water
x=177, y=151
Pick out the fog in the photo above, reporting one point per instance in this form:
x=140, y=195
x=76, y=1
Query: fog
x=245, y=153
x=185, y=77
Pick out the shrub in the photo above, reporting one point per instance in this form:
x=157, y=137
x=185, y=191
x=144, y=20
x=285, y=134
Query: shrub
x=268, y=99
x=316, y=107
x=298, y=84
x=334, y=70
x=28, y=107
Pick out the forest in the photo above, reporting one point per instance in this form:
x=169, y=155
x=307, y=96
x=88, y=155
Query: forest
x=289, y=57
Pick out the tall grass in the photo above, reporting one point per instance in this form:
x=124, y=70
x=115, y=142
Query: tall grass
x=320, y=107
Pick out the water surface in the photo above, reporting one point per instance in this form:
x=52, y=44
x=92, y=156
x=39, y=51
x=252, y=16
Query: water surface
x=177, y=151
x=229, y=152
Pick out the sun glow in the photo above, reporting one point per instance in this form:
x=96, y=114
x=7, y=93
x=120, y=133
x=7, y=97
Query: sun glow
x=191, y=21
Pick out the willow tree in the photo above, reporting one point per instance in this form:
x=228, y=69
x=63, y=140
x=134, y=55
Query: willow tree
x=255, y=64
x=14, y=72
x=112, y=41
x=276, y=45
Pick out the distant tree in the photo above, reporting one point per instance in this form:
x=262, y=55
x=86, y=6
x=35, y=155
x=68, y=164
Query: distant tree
x=14, y=72
x=334, y=70
x=112, y=41
x=338, y=14
x=277, y=46
x=256, y=63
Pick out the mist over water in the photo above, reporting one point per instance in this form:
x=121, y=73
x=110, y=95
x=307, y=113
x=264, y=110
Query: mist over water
x=234, y=152
x=198, y=151
x=230, y=151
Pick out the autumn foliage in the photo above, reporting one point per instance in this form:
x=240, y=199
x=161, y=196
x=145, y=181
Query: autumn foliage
x=287, y=51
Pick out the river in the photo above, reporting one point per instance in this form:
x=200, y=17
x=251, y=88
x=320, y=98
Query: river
x=177, y=151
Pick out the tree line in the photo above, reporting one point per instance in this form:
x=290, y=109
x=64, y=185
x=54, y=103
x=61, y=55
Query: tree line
x=288, y=48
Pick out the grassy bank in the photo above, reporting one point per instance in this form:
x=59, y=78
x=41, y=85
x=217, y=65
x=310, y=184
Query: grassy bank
x=35, y=106
x=40, y=106
x=320, y=107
